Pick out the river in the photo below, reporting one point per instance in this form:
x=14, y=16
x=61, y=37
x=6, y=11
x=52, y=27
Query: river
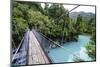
x=70, y=51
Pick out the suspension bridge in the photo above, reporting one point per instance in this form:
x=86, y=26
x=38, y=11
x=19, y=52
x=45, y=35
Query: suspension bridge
x=33, y=48
x=30, y=51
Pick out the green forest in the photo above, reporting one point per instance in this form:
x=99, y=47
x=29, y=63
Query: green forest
x=53, y=21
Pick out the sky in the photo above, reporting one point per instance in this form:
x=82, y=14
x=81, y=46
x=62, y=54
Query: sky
x=69, y=7
x=80, y=8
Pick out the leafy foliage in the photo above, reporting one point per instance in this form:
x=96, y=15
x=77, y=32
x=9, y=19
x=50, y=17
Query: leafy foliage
x=52, y=20
x=91, y=50
x=91, y=47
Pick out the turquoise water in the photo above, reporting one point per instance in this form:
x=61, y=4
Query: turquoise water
x=70, y=50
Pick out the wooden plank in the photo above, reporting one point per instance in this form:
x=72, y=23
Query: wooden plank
x=36, y=54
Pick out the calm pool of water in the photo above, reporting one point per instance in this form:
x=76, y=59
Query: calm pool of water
x=70, y=49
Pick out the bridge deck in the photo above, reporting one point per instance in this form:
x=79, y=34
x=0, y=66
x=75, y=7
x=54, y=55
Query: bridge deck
x=36, y=54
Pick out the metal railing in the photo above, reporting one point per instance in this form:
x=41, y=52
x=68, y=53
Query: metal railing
x=47, y=42
x=21, y=52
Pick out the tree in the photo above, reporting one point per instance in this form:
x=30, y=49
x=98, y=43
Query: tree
x=91, y=51
x=91, y=47
x=52, y=20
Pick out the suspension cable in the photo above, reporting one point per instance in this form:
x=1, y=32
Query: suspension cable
x=57, y=44
x=18, y=48
x=74, y=8
x=17, y=33
x=63, y=33
x=45, y=36
x=19, y=43
x=68, y=12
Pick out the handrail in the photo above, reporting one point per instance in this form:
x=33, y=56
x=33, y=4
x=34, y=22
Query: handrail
x=58, y=44
x=20, y=42
x=18, y=48
x=48, y=38
x=50, y=59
